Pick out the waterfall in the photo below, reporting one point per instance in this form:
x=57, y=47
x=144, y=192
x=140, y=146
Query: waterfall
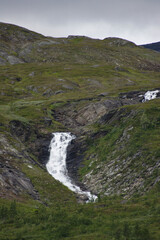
x=56, y=165
x=149, y=95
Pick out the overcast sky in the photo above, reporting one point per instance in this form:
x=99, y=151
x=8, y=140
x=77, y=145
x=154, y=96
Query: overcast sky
x=135, y=20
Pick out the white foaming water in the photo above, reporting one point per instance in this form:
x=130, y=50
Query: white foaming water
x=56, y=165
x=150, y=95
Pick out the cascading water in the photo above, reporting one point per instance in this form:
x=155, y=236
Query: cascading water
x=149, y=95
x=56, y=165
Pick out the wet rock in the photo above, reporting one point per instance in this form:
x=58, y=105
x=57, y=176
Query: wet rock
x=158, y=94
x=74, y=159
x=136, y=96
x=40, y=148
x=82, y=198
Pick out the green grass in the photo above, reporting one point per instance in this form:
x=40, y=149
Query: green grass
x=51, y=192
x=20, y=98
x=110, y=218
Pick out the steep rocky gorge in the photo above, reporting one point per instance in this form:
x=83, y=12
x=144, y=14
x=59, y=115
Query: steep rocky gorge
x=17, y=149
x=111, y=177
x=115, y=176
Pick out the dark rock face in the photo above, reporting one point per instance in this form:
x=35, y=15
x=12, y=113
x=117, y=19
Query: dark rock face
x=20, y=130
x=74, y=160
x=106, y=117
x=14, y=183
x=158, y=94
x=40, y=146
x=24, y=145
x=77, y=120
x=133, y=95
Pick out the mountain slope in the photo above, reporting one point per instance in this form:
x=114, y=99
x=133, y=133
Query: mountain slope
x=19, y=45
x=39, y=98
x=94, y=89
x=153, y=46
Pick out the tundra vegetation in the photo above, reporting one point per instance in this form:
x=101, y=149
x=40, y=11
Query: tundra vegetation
x=94, y=89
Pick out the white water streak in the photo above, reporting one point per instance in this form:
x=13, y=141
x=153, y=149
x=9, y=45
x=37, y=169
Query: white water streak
x=150, y=95
x=56, y=165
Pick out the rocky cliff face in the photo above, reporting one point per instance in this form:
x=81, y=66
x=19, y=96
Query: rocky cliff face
x=18, y=149
x=118, y=173
x=13, y=181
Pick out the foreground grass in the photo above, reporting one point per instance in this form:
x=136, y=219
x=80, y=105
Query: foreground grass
x=109, y=218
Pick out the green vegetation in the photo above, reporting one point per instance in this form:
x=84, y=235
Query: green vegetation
x=65, y=76
x=128, y=142
x=110, y=218
x=22, y=94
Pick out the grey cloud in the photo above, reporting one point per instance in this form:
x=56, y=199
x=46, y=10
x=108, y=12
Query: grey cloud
x=136, y=20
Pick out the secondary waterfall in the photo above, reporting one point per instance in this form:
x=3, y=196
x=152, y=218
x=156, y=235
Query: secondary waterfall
x=149, y=95
x=56, y=165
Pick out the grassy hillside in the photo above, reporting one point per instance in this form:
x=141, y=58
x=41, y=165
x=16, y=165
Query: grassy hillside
x=111, y=218
x=123, y=157
x=93, y=88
